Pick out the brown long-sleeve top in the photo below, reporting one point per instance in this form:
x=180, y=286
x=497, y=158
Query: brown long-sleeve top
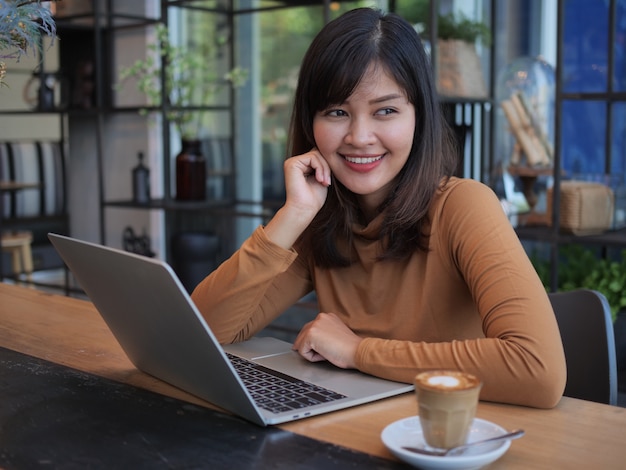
x=472, y=302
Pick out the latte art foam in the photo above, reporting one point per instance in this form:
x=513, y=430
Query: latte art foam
x=447, y=380
x=443, y=381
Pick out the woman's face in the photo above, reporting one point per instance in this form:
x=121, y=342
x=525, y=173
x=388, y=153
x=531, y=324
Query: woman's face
x=366, y=140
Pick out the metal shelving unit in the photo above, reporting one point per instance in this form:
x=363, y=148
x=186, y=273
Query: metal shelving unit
x=553, y=235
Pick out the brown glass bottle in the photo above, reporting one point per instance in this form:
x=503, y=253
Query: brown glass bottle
x=190, y=172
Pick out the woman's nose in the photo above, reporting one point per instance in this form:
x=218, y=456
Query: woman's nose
x=360, y=132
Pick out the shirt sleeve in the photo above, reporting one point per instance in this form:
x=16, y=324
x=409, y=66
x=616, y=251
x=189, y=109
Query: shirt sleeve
x=251, y=288
x=520, y=358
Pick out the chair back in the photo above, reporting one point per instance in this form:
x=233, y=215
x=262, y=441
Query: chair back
x=586, y=326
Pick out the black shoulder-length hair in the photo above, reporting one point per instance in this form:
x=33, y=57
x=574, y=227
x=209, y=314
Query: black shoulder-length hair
x=331, y=69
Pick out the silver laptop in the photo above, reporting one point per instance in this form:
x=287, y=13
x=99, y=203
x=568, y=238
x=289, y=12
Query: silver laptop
x=163, y=334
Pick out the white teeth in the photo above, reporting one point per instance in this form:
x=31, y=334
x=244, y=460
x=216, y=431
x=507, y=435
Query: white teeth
x=361, y=160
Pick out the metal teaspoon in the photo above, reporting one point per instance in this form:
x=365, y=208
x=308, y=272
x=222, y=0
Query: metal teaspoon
x=460, y=449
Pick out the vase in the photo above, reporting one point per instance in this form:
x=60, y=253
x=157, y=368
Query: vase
x=190, y=172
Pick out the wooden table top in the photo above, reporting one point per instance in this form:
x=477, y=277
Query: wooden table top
x=70, y=332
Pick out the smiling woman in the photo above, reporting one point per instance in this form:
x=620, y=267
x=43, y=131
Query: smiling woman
x=390, y=242
x=366, y=140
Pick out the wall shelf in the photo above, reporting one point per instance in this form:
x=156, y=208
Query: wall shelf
x=613, y=238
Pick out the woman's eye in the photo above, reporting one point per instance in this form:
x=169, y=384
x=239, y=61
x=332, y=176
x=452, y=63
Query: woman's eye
x=386, y=111
x=336, y=112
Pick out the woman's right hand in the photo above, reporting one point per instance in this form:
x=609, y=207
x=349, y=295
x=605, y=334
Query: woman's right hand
x=307, y=178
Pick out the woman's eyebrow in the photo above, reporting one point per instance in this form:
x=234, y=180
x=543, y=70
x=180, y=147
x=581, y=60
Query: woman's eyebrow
x=381, y=99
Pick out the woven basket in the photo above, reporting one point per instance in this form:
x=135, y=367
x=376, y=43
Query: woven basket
x=459, y=72
x=585, y=208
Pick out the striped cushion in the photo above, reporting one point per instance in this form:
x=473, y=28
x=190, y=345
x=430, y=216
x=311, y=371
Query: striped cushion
x=33, y=162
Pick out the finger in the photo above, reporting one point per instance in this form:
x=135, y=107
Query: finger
x=303, y=347
x=322, y=172
x=318, y=165
x=322, y=169
x=310, y=164
x=311, y=355
x=323, y=177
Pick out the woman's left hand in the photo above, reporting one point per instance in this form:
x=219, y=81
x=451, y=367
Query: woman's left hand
x=328, y=338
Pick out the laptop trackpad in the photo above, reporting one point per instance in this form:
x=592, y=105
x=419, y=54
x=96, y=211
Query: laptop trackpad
x=349, y=382
x=278, y=355
x=258, y=347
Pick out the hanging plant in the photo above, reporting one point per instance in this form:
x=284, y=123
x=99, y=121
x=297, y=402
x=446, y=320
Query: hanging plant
x=22, y=24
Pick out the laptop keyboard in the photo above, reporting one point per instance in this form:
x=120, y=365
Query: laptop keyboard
x=279, y=392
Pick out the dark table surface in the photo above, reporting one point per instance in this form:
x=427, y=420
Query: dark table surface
x=54, y=417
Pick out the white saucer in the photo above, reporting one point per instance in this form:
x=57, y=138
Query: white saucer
x=408, y=432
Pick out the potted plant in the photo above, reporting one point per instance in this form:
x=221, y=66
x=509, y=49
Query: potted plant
x=449, y=25
x=187, y=81
x=459, y=71
x=22, y=24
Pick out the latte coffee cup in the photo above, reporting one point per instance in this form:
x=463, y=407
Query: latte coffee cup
x=447, y=403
